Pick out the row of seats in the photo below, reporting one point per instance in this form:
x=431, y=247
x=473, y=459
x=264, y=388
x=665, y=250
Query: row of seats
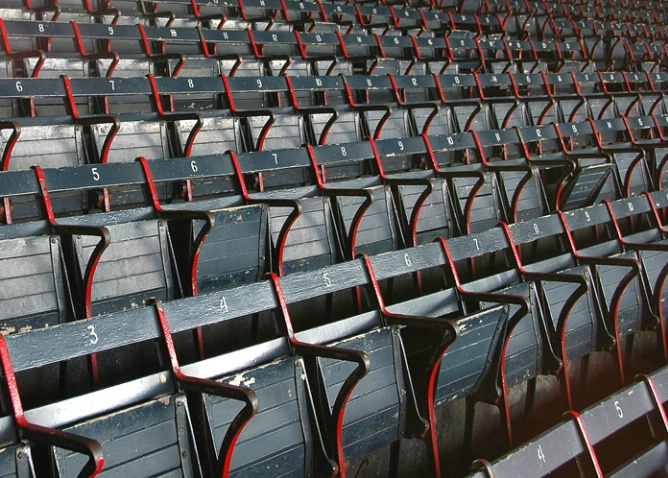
x=589, y=443
x=29, y=45
x=514, y=306
x=341, y=199
x=297, y=231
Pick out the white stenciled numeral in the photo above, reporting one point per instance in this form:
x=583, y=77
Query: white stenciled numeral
x=541, y=455
x=223, y=305
x=328, y=281
x=407, y=260
x=92, y=335
x=275, y=156
x=19, y=86
x=193, y=166
x=475, y=241
x=96, y=174
x=620, y=412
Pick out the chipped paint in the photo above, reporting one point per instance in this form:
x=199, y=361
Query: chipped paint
x=239, y=380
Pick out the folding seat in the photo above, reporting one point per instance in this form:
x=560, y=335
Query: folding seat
x=355, y=363
x=269, y=126
x=638, y=411
x=464, y=51
x=364, y=52
x=570, y=101
x=127, y=122
x=629, y=160
x=425, y=101
x=574, y=58
x=34, y=277
x=652, y=459
x=639, y=58
x=383, y=116
x=302, y=230
x=324, y=126
x=42, y=49
x=397, y=53
x=210, y=128
x=548, y=53
x=173, y=42
x=339, y=13
x=258, y=11
x=532, y=91
x=267, y=386
x=626, y=102
x=474, y=191
x=648, y=134
x=458, y=94
x=569, y=301
x=320, y=45
x=299, y=15
x=236, y=248
x=146, y=428
x=422, y=198
x=638, y=229
x=498, y=92
x=591, y=177
x=441, y=375
x=617, y=275
x=363, y=204
x=484, y=276
x=503, y=153
x=560, y=27
x=50, y=141
x=658, y=84
x=430, y=50
x=641, y=84
x=657, y=55
x=597, y=51
x=495, y=56
x=278, y=47
x=544, y=150
x=119, y=258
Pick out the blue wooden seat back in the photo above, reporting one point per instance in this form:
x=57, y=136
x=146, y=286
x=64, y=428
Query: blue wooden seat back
x=522, y=191
x=571, y=313
x=281, y=439
x=301, y=221
x=364, y=206
x=445, y=369
x=494, y=279
x=616, y=272
x=422, y=198
x=122, y=257
x=34, y=279
x=53, y=141
x=141, y=426
x=373, y=411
